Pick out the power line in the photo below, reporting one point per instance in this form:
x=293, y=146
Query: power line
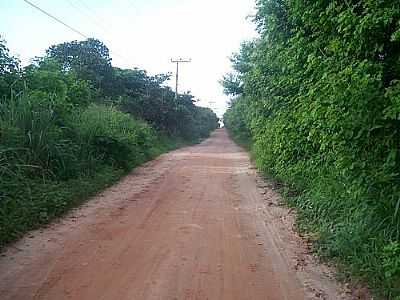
x=97, y=21
x=84, y=14
x=93, y=15
x=66, y=25
x=56, y=19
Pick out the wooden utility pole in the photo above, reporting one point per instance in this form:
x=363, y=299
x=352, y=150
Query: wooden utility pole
x=178, y=61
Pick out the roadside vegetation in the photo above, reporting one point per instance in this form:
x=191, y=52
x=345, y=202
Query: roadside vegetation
x=317, y=98
x=72, y=124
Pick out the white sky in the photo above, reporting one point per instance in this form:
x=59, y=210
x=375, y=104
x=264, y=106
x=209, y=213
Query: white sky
x=141, y=33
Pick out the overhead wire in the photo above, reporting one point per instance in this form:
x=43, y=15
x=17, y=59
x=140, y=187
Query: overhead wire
x=56, y=19
x=66, y=25
x=97, y=21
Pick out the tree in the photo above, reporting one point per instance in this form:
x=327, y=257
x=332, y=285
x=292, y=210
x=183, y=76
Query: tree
x=9, y=70
x=89, y=59
x=47, y=76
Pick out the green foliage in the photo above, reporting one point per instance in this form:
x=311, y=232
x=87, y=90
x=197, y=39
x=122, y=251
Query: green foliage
x=320, y=103
x=234, y=120
x=71, y=124
x=391, y=261
x=46, y=76
x=89, y=59
x=113, y=136
x=146, y=98
x=9, y=70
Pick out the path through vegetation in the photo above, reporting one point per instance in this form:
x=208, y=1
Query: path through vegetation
x=196, y=223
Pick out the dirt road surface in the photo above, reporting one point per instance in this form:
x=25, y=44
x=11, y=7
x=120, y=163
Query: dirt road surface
x=196, y=223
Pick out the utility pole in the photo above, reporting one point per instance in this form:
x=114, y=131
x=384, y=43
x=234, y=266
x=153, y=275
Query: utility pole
x=178, y=61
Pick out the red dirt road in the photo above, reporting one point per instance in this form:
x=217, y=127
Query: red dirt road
x=196, y=223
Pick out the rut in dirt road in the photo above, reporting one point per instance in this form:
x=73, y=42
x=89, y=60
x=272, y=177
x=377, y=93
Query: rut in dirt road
x=196, y=223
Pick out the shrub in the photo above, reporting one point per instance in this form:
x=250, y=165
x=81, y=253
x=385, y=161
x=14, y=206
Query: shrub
x=112, y=136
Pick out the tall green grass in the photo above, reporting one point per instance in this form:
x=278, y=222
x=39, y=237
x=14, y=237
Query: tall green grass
x=51, y=158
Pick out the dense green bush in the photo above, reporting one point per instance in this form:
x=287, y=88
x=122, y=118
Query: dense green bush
x=236, y=122
x=43, y=163
x=112, y=136
x=318, y=93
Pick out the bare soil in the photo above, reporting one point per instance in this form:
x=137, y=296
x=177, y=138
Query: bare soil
x=196, y=223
